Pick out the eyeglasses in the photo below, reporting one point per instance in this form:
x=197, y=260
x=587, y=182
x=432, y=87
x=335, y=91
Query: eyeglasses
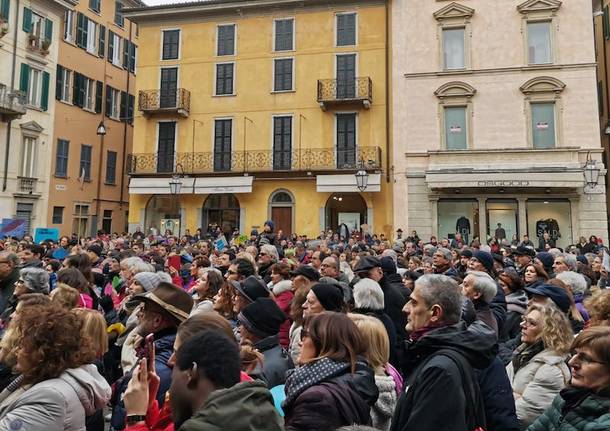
x=585, y=359
x=526, y=321
x=231, y=272
x=20, y=281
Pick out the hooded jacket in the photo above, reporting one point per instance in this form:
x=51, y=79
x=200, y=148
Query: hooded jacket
x=282, y=295
x=394, y=301
x=59, y=404
x=516, y=303
x=434, y=399
x=247, y=406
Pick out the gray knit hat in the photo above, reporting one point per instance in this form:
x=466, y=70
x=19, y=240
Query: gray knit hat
x=148, y=280
x=36, y=280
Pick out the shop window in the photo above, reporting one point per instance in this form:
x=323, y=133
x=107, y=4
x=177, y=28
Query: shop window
x=552, y=216
x=458, y=215
x=502, y=219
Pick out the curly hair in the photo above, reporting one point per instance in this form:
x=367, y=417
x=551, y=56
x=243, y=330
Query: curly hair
x=224, y=303
x=556, y=332
x=598, y=306
x=52, y=341
x=65, y=296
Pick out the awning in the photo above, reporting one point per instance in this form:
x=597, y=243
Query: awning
x=346, y=183
x=444, y=179
x=207, y=185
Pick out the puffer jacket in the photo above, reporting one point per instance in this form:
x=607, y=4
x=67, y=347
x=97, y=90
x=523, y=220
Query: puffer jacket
x=538, y=382
x=59, y=404
x=282, y=294
x=382, y=411
x=576, y=409
x=247, y=406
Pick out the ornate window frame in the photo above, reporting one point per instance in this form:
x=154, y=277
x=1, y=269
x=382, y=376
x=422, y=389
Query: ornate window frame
x=543, y=89
x=539, y=11
x=454, y=16
x=455, y=94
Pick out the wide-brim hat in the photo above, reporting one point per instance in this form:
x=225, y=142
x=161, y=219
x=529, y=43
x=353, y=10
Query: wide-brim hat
x=524, y=251
x=252, y=288
x=173, y=301
x=306, y=271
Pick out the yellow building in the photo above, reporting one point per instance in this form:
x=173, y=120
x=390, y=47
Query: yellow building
x=261, y=110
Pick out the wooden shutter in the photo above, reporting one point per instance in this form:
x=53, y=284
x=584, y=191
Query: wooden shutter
x=48, y=29
x=59, y=82
x=108, y=100
x=346, y=29
x=125, y=54
x=99, y=94
x=130, y=105
x=132, y=57
x=81, y=30
x=110, y=45
x=75, y=88
x=102, y=42
x=27, y=20
x=24, y=80
x=123, y=110
x=44, y=97
x=5, y=9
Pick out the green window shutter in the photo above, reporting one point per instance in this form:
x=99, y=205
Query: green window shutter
x=543, y=125
x=99, y=93
x=126, y=54
x=132, y=57
x=102, y=42
x=27, y=20
x=123, y=110
x=77, y=91
x=108, y=101
x=79, y=29
x=59, y=82
x=455, y=128
x=110, y=45
x=24, y=80
x=44, y=99
x=130, y=105
x=48, y=29
x=5, y=9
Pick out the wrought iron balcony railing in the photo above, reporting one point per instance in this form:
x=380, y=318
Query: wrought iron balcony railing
x=12, y=103
x=345, y=91
x=165, y=101
x=310, y=159
x=26, y=185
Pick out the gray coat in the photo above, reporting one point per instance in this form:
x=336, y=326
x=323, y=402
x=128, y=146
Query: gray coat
x=60, y=404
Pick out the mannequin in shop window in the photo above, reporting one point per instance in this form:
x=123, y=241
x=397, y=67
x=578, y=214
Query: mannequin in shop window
x=462, y=226
x=547, y=231
x=500, y=232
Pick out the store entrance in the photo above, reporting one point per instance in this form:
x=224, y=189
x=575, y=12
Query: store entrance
x=348, y=208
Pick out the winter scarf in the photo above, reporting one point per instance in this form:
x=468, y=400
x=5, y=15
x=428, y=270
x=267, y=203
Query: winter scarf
x=524, y=353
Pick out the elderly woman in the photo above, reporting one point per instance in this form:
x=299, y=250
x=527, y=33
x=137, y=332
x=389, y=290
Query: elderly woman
x=332, y=387
x=578, y=285
x=585, y=403
x=538, y=370
x=31, y=280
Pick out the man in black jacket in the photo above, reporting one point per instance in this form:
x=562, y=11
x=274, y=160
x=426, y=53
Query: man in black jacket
x=442, y=393
x=9, y=274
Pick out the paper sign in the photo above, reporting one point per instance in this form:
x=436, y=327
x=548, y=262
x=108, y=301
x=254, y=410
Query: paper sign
x=542, y=126
x=455, y=129
x=41, y=234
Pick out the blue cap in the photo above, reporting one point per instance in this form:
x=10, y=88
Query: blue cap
x=556, y=294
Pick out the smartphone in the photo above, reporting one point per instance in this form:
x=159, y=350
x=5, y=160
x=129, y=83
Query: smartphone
x=174, y=262
x=146, y=348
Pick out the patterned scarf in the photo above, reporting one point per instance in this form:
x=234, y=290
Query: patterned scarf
x=311, y=374
x=525, y=352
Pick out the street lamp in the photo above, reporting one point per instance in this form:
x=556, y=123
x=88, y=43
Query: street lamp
x=591, y=172
x=101, y=129
x=175, y=184
x=362, y=177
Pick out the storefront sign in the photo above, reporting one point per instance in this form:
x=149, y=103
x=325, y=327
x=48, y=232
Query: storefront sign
x=503, y=183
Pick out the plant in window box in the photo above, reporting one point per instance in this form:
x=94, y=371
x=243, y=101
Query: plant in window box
x=3, y=26
x=32, y=41
x=44, y=47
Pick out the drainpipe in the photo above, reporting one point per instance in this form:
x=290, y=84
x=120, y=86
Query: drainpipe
x=12, y=88
x=388, y=77
x=121, y=200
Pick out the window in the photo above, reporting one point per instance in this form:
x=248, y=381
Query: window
x=85, y=163
x=34, y=93
x=600, y=97
x=28, y=157
x=346, y=76
x=81, y=217
x=118, y=14
x=111, y=167
x=114, y=48
x=113, y=103
x=5, y=6
x=224, y=79
x=89, y=86
x=282, y=143
x=346, y=29
x=169, y=87
x=69, y=26
x=91, y=37
x=539, y=42
x=61, y=158
x=39, y=28
x=226, y=40
x=222, y=145
x=543, y=125
x=455, y=128
x=58, y=215
x=284, y=35
x=282, y=74
x=35, y=84
x=346, y=140
x=63, y=84
x=453, y=48
x=171, y=45
x=166, y=145
x=94, y=5
x=87, y=93
x=24, y=212
x=107, y=221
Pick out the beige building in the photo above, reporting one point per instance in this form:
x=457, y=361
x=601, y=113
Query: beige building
x=495, y=114
x=29, y=40
x=94, y=86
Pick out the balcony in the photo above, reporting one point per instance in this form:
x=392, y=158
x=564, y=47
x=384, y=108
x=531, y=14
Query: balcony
x=26, y=185
x=38, y=44
x=12, y=103
x=357, y=91
x=175, y=101
x=261, y=161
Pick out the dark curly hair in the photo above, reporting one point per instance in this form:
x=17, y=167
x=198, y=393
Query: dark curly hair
x=52, y=342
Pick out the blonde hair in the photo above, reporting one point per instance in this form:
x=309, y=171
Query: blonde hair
x=556, y=332
x=65, y=296
x=376, y=337
x=248, y=257
x=598, y=306
x=94, y=328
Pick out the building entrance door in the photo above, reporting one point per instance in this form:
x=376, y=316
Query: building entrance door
x=282, y=217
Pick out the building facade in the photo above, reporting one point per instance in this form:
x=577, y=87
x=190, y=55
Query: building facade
x=29, y=41
x=261, y=111
x=493, y=126
x=94, y=89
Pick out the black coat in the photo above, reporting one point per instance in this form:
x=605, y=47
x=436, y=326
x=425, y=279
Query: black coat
x=394, y=301
x=500, y=412
x=7, y=287
x=276, y=362
x=435, y=400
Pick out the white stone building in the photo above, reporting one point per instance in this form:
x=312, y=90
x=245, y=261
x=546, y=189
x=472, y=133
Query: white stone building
x=495, y=113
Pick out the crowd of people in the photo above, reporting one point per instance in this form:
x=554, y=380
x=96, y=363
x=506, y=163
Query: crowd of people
x=267, y=331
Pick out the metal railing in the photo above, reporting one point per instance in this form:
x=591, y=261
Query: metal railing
x=163, y=101
x=309, y=159
x=345, y=90
x=26, y=184
x=12, y=102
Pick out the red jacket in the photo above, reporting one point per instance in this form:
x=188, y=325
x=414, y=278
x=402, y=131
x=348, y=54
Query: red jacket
x=282, y=293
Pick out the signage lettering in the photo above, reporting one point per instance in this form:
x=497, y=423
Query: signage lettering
x=503, y=183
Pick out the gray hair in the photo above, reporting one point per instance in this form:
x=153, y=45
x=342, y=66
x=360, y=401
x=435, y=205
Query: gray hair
x=484, y=284
x=135, y=265
x=35, y=279
x=446, y=253
x=438, y=289
x=164, y=276
x=271, y=251
x=430, y=248
x=576, y=281
x=570, y=261
x=12, y=258
x=368, y=294
x=391, y=253
x=555, y=252
x=590, y=257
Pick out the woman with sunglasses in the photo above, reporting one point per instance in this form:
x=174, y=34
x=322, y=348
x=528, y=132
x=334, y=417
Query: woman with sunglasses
x=585, y=403
x=538, y=370
x=333, y=386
